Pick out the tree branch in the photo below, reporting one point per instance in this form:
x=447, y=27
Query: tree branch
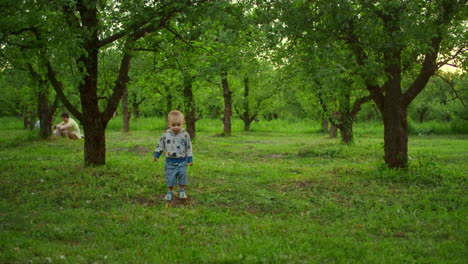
x=357, y=105
x=119, y=88
x=428, y=69
x=177, y=35
x=58, y=87
x=123, y=78
x=450, y=84
x=140, y=28
x=453, y=57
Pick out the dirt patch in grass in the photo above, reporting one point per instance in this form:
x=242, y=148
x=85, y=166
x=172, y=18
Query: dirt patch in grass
x=139, y=149
x=159, y=199
x=136, y=149
x=320, y=152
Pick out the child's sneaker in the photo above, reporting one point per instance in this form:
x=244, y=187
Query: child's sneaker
x=168, y=196
x=182, y=195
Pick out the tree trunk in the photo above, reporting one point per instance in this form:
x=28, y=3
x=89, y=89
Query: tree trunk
x=136, y=109
x=347, y=117
x=46, y=124
x=248, y=121
x=395, y=135
x=346, y=132
x=28, y=120
x=92, y=120
x=325, y=126
x=227, y=104
x=95, y=141
x=169, y=102
x=94, y=128
x=333, y=131
x=246, y=115
x=422, y=114
x=125, y=112
x=46, y=111
x=189, y=100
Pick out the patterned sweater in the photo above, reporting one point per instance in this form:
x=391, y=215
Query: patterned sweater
x=178, y=146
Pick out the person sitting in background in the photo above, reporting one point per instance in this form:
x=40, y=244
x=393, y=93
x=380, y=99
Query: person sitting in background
x=67, y=128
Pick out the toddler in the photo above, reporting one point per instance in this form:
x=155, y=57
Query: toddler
x=178, y=146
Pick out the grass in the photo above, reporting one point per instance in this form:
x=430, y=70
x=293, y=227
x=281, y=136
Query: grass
x=255, y=197
x=216, y=126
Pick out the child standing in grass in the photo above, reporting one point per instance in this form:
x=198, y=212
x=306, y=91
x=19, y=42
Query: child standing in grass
x=178, y=146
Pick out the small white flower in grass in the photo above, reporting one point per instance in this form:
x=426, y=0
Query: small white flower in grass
x=48, y=260
x=62, y=257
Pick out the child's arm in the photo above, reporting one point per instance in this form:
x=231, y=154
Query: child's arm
x=160, y=148
x=188, y=147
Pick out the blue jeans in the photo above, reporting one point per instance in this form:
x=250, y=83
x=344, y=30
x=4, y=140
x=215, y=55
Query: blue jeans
x=176, y=173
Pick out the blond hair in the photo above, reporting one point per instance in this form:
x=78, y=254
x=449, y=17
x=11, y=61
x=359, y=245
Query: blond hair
x=175, y=115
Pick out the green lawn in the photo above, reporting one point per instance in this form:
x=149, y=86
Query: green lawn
x=257, y=197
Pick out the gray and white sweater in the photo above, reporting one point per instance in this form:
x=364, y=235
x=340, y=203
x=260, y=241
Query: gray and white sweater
x=178, y=146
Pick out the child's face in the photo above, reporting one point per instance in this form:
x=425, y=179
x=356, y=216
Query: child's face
x=176, y=125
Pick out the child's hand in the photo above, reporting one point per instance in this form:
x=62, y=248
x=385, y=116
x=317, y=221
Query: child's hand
x=190, y=163
x=155, y=159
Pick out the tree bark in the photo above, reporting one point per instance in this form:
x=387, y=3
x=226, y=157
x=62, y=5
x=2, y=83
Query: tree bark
x=136, y=105
x=189, y=100
x=246, y=111
x=348, y=117
x=395, y=136
x=325, y=126
x=125, y=112
x=346, y=130
x=46, y=112
x=227, y=94
x=95, y=141
x=28, y=119
x=422, y=114
x=169, y=102
x=333, y=131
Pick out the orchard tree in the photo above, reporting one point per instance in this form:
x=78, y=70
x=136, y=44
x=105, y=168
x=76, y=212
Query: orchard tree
x=338, y=91
x=387, y=40
x=77, y=32
x=184, y=61
x=227, y=34
x=22, y=60
x=45, y=107
x=260, y=83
